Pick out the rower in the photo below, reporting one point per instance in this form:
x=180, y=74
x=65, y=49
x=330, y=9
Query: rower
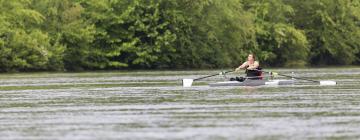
x=252, y=69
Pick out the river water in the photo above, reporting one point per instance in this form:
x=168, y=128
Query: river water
x=154, y=105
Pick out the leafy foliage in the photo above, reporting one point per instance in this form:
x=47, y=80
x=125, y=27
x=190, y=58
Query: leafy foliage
x=128, y=34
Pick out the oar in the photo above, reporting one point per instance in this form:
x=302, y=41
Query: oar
x=300, y=78
x=188, y=82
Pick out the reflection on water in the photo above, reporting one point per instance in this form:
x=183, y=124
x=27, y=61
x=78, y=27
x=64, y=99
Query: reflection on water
x=154, y=105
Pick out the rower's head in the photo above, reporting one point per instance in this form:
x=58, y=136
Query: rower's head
x=251, y=57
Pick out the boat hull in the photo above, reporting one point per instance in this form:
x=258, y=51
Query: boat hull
x=253, y=83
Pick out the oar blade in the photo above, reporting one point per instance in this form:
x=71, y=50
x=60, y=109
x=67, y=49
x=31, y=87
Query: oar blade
x=327, y=83
x=187, y=82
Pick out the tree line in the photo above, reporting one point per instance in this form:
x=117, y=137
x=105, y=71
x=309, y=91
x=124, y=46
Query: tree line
x=58, y=35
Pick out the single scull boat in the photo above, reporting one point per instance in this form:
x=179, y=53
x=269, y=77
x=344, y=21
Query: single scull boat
x=250, y=82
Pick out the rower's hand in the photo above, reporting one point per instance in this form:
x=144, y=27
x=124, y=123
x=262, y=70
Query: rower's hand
x=274, y=74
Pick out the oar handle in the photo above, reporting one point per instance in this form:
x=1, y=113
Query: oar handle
x=211, y=75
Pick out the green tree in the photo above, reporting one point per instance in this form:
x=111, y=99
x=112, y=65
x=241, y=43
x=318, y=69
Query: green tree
x=22, y=45
x=214, y=34
x=332, y=29
x=71, y=35
x=279, y=42
x=132, y=33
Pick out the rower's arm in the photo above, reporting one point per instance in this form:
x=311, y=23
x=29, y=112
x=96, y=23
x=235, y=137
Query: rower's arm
x=243, y=66
x=254, y=66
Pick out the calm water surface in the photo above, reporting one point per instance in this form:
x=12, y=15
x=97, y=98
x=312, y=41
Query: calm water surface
x=154, y=105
